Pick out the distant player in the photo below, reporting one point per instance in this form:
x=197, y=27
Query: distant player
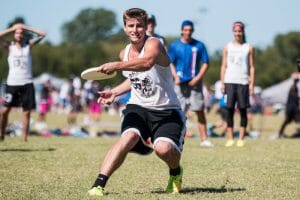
x=19, y=90
x=190, y=61
x=237, y=77
x=153, y=110
x=151, y=25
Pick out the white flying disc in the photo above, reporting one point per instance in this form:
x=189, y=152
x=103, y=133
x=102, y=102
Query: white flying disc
x=92, y=74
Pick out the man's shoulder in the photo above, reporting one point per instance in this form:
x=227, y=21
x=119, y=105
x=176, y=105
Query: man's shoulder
x=152, y=41
x=160, y=38
x=198, y=42
x=176, y=41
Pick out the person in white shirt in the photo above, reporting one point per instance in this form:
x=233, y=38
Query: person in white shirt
x=237, y=78
x=153, y=110
x=19, y=90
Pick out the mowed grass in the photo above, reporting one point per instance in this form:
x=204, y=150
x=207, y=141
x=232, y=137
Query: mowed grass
x=65, y=167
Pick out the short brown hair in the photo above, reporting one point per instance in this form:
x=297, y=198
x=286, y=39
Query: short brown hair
x=137, y=13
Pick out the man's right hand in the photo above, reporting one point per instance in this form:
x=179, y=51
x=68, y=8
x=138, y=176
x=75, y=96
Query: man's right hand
x=176, y=80
x=106, y=97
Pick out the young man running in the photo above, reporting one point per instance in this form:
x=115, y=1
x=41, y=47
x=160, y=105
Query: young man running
x=153, y=110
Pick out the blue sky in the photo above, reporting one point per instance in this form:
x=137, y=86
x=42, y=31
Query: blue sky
x=264, y=19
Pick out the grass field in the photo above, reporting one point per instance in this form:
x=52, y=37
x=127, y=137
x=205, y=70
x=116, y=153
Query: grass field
x=65, y=167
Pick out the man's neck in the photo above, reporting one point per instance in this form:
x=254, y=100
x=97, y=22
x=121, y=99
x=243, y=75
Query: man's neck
x=186, y=40
x=137, y=47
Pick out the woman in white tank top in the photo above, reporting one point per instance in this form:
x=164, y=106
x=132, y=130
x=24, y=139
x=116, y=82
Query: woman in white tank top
x=237, y=77
x=19, y=90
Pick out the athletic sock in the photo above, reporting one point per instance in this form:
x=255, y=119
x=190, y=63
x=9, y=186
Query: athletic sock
x=175, y=172
x=100, y=181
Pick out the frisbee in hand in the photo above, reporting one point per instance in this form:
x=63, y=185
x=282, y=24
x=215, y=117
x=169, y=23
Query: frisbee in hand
x=92, y=74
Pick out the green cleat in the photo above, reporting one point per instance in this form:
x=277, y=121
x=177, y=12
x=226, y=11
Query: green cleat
x=96, y=191
x=175, y=182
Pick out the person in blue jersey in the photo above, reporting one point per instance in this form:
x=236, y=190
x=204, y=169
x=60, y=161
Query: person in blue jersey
x=189, y=63
x=19, y=90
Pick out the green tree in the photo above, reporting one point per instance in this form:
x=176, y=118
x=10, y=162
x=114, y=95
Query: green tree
x=277, y=62
x=90, y=25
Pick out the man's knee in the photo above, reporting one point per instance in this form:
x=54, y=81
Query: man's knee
x=162, y=148
x=129, y=139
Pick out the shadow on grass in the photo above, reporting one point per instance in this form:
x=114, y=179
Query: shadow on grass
x=211, y=190
x=26, y=150
x=196, y=190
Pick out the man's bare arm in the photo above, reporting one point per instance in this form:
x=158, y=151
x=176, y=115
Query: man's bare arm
x=153, y=54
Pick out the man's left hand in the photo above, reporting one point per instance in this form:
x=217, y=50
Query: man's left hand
x=193, y=82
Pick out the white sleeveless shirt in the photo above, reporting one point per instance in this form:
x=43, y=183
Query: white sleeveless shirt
x=20, y=65
x=237, y=71
x=154, y=88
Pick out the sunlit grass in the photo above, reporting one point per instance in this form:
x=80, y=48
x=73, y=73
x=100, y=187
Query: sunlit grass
x=65, y=167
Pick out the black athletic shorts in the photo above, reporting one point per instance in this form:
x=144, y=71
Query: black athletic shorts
x=20, y=96
x=156, y=125
x=237, y=93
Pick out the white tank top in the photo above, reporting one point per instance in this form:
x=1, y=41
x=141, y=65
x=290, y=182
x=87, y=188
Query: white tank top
x=153, y=89
x=20, y=65
x=237, y=70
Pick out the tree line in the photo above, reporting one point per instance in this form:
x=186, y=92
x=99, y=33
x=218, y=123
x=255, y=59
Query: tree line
x=93, y=38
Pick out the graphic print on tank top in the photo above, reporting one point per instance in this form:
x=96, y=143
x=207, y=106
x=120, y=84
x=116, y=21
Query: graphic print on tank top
x=20, y=57
x=142, y=83
x=19, y=62
x=236, y=58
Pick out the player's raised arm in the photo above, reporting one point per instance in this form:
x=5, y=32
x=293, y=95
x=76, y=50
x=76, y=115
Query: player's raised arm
x=3, y=42
x=39, y=35
x=153, y=55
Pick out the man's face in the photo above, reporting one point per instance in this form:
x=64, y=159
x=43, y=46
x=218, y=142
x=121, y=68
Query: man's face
x=135, y=30
x=19, y=35
x=187, y=32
